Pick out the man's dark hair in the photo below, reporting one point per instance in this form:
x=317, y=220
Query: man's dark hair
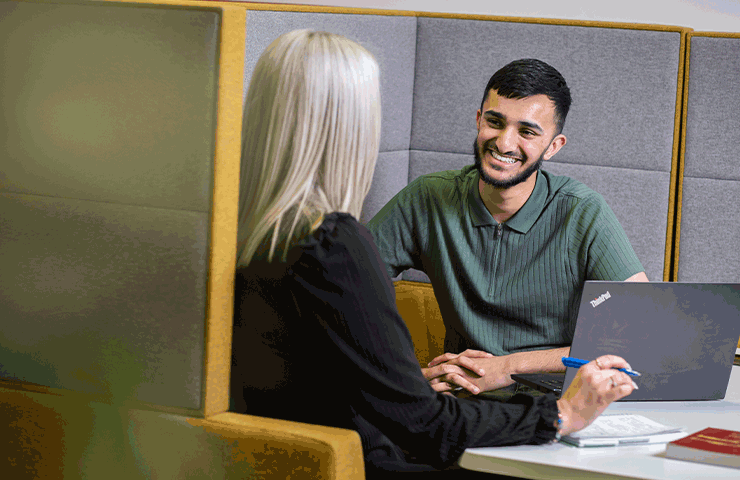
x=527, y=77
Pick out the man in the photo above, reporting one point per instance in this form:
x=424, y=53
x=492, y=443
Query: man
x=507, y=246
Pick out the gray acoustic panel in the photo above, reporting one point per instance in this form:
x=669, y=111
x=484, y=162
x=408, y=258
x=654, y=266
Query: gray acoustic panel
x=390, y=176
x=391, y=39
x=709, y=242
x=103, y=298
x=712, y=119
x=623, y=84
x=414, y=275
x=423, y=162
x=709, y=248
x=113, y=102
x=639, y=199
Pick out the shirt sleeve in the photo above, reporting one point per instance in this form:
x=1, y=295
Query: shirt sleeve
x=389, y=390
x=395, y=229
x=605, y=252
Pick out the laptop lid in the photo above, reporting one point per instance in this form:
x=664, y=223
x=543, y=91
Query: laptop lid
x=680, y=336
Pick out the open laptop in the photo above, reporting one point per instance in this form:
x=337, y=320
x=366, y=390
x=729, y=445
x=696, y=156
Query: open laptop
x=681, y=337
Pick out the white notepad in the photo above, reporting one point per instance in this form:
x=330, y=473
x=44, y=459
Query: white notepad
x=623, y=429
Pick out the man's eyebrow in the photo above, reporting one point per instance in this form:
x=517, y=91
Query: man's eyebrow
x=494, y=114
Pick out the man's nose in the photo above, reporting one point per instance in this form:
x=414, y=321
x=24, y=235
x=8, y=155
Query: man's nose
x=506, y=141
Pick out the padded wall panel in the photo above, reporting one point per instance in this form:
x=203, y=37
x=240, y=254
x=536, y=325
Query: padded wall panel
x=640, y=202
x=391, y=39
x=623, y=84
x=112, y=103
x=390, y=176
x=710, y=231
x=422, y=163
x=103, y=298
x=713, y=115
x=709, y=243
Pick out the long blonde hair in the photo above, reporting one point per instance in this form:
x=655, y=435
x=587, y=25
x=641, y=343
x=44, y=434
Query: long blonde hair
x=310, y=138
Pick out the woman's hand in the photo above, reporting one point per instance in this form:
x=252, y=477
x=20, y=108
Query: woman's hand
x=596, y=385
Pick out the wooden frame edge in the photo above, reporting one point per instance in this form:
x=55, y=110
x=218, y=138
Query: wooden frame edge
x=224, y=212
x=676, y=174
x=681, y=159
x=283, y=7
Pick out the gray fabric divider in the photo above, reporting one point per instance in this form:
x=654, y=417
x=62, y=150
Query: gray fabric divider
x=391, y=39
x=639, y=199
x=713, y=119
x=710, y=237
x=415, y=275
x=390, y=176
x=709, y=243
x=623, y=84
x=103, y=298
x=423, y=162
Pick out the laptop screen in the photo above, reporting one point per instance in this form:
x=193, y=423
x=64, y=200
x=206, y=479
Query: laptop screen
x=681, y=337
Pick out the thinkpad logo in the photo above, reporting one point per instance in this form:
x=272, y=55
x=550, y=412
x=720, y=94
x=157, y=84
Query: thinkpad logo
x=600, y=299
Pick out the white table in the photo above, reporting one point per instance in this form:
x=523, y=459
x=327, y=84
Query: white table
x=559, y=461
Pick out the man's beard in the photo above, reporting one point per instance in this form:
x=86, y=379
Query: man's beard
x=515, y=180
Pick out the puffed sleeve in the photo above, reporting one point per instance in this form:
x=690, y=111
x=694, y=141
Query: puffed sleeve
x=387, y=386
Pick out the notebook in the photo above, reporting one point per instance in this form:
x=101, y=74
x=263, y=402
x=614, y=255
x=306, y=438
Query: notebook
x=681, y=337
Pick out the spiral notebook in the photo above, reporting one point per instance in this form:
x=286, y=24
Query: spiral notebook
x=681, y=337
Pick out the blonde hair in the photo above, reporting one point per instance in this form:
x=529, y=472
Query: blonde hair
x=310, y=138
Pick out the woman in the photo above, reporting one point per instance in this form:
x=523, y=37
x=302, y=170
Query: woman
x=317, y=337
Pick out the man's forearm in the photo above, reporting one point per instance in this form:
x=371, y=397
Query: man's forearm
x=536, y=361
x=498, y=370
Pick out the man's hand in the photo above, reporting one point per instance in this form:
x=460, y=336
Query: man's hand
x=477, y=371
x=452, y=371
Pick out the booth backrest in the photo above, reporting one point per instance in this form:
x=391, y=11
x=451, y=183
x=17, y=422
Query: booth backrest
x=119, y=132
x=708, y=245
x=626, y=83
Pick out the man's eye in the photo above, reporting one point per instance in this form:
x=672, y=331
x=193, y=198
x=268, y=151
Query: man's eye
x=494, y=123
x=528, y=133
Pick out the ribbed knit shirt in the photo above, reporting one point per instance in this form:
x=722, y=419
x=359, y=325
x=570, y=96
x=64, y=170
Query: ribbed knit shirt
x=504, y=287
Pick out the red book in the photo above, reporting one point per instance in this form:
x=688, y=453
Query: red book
x=711, y=445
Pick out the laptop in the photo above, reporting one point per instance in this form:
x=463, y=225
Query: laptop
x=681, y=337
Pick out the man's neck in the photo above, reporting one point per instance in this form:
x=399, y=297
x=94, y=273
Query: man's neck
x=503, y=203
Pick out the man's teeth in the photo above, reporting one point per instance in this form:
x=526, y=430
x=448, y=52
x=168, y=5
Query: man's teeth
x=503, y=159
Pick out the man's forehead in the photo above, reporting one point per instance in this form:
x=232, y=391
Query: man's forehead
x=536, y=107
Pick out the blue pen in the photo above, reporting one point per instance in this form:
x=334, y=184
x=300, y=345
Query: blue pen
x=578, y=363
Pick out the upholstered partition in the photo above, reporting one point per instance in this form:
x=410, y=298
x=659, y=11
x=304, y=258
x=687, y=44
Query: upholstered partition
x=118, y=187
x=392, y=40
x=708, y=244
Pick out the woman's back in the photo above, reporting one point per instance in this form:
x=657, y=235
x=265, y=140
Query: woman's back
x=318, y=339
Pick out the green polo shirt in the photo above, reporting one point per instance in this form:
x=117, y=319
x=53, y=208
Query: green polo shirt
x=508, y=287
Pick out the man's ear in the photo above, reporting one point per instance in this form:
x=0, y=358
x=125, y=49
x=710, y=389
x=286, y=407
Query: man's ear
x=477, y=119
x=555, y=145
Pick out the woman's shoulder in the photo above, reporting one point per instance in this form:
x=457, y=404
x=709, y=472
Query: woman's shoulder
x=341, y=229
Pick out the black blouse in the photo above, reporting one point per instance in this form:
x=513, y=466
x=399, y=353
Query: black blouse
x=318, y=339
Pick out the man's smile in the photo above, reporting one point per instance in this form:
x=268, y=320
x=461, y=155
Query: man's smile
x=503, y=158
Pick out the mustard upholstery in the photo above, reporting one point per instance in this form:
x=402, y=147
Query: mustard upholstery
x=419, y=309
